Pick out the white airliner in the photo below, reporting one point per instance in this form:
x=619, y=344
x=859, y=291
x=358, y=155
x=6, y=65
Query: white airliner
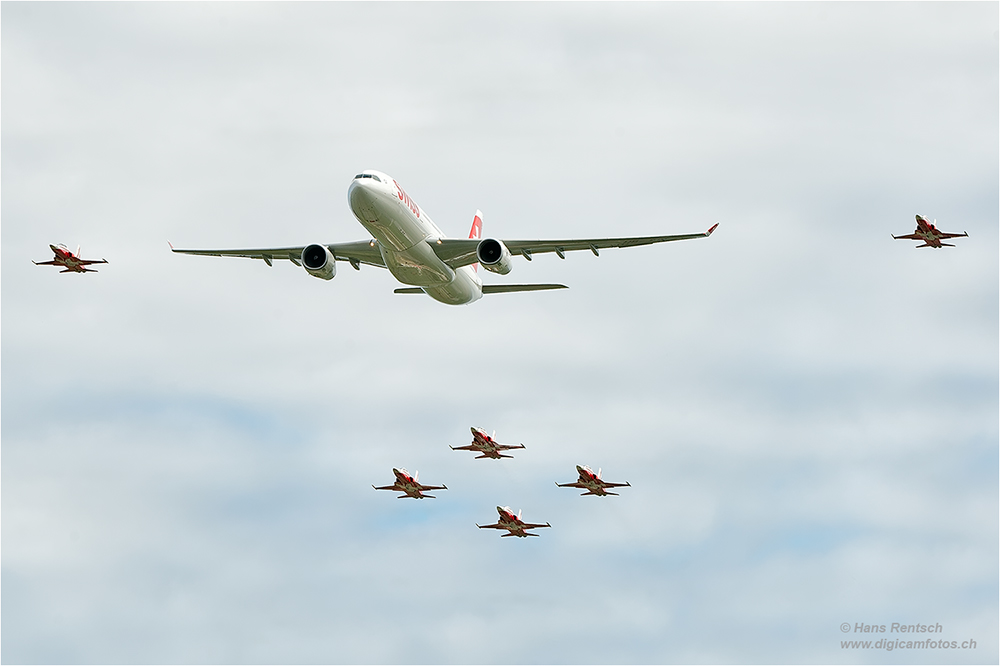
x=407, y=242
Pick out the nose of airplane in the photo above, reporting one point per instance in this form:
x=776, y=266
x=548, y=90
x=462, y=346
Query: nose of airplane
x=359, y=192
x=361, y=198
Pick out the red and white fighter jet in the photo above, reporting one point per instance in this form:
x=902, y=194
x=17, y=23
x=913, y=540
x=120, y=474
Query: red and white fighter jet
x=513, y=524
x=929, y=234
x=409, y=486
x=70, y=261
x=592, y=483
x=485, y=444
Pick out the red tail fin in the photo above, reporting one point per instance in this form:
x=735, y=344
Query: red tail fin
x=477, y=226
x=477, y=232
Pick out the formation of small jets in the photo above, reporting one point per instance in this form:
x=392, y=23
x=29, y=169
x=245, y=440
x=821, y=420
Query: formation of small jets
x=487, y=445
x=406, y=242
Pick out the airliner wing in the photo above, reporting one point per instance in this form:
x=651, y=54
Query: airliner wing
x=356, y=252
x=462, y=252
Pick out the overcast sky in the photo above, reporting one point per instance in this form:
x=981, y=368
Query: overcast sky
x=807, y=410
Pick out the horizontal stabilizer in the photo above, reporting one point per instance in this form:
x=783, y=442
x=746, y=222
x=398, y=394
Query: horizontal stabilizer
x=492, y=288
x=505, y=288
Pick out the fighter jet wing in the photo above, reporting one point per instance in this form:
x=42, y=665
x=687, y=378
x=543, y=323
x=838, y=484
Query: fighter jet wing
x=575, y=484
x=458, y=252
x=531, y=526
x=356, y=252
x=494, y=526
x=616, y=485
x=422, y=487
x=941, y=234
x=908, y=237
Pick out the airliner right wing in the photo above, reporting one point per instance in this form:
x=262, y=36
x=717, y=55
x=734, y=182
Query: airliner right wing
x=458, y=252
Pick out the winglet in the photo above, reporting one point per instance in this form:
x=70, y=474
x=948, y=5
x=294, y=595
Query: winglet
x=171, y=246
x=709, y=232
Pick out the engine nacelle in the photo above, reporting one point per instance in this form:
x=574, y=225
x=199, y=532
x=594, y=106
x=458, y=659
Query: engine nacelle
x=319, y=261
x=494, y=256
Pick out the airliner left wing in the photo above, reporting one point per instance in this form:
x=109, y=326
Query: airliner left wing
x=457, y=252
x=356, y=252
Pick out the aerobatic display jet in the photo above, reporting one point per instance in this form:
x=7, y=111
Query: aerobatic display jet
x=592, y=483
x=930, y=234
x=70, y=261
x=418, y=254
x=409, y=485
x=485, y=444
x=513, y=524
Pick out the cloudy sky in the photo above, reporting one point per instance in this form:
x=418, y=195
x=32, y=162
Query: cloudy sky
x=807, y=410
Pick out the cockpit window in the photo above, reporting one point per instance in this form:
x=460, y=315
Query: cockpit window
x=368, y=175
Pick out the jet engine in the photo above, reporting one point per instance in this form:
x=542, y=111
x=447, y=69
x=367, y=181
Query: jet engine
x=319, y=261
x=494, y=256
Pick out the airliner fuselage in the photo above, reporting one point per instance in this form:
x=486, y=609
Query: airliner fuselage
x=404, y=234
